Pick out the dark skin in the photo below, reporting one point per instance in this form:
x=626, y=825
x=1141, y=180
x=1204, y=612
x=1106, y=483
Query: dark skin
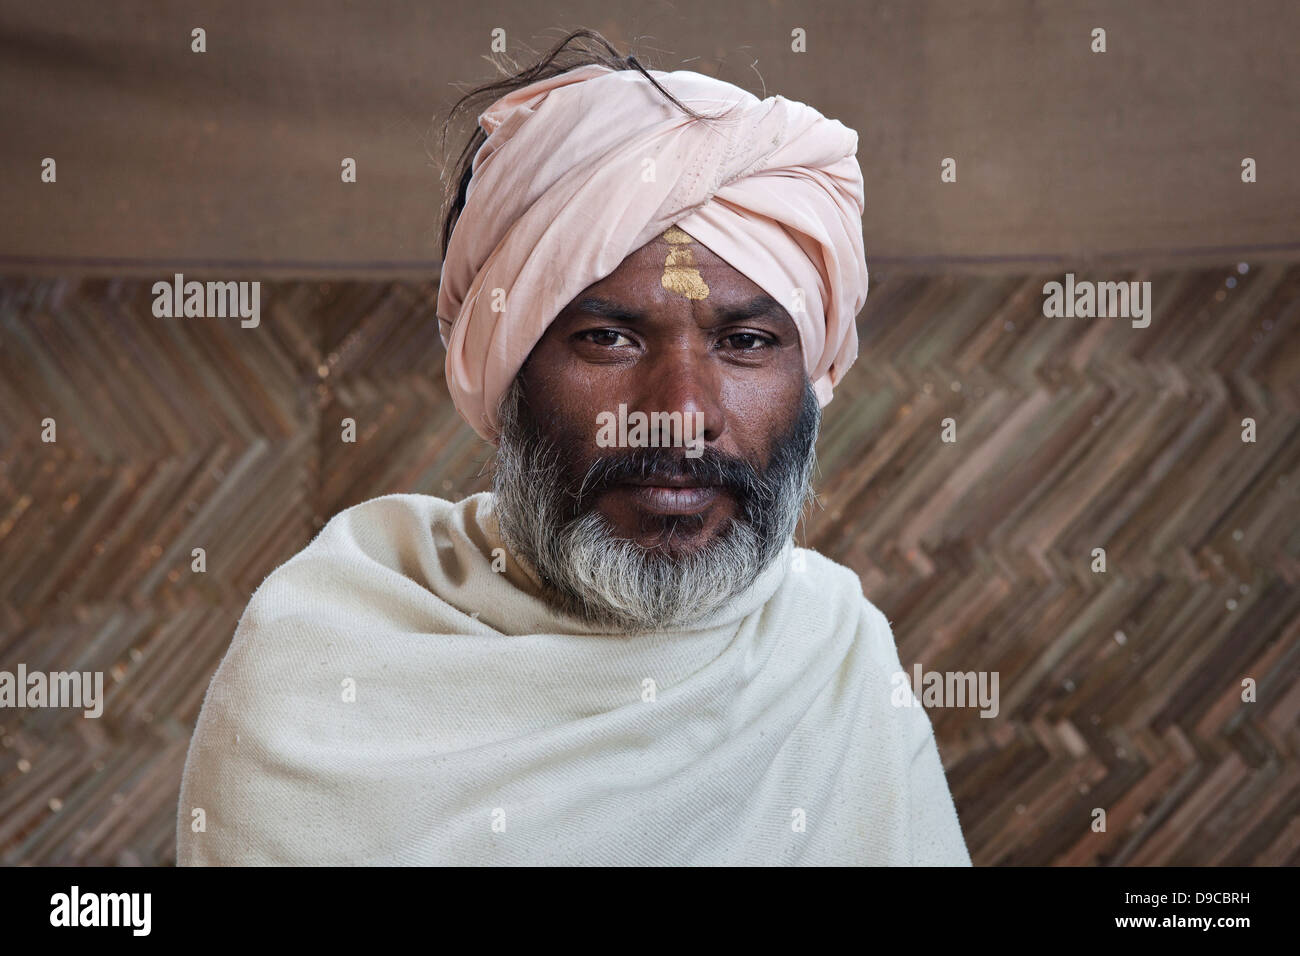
x=733, y=355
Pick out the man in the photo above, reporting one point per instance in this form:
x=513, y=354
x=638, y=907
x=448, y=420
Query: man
x=619, y=656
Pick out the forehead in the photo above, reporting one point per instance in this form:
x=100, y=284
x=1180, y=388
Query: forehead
x=639, y=281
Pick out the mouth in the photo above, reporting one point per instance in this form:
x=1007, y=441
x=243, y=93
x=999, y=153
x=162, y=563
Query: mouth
x=671, y=496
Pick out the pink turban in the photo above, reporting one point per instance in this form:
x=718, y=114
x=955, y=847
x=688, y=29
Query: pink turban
x=582, y=169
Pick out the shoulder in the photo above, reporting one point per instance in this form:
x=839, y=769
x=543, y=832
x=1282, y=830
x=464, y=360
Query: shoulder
x=386, y=519
x=831, y=597
x=359, y=579
x=363, y=557
x=818, y=579
x=876, y=659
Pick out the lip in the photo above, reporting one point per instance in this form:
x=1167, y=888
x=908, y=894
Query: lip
x=679, y=481
x=672, y=497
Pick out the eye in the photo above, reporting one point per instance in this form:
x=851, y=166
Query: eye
x=748, y=341
x=610, y=338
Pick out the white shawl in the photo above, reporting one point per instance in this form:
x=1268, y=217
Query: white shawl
x=389, y=698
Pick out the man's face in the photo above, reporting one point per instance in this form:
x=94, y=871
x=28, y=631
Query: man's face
x=673, y=329
x=641, y=537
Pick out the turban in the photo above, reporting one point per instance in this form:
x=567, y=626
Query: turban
x=582, y=169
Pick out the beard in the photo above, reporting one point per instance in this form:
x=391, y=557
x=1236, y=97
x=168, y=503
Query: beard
x=546, y=508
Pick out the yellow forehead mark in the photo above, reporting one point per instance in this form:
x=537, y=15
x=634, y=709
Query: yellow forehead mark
x=681, y=274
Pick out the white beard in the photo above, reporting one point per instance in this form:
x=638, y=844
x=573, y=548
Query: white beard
x=594, y=574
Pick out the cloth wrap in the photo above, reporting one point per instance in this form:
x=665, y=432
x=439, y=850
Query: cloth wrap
x=580, y=170
x=394, y=696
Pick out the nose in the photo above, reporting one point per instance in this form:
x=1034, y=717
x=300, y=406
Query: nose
x=680, y=379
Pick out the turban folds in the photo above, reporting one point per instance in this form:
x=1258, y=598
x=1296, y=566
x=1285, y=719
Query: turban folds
x=582, y=169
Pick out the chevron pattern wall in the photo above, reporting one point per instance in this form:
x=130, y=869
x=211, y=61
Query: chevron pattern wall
x=1120, y=690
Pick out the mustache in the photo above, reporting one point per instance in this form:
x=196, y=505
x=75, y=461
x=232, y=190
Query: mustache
x=648, y=465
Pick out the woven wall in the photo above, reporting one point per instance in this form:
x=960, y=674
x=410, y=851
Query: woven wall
x=1119, y=690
